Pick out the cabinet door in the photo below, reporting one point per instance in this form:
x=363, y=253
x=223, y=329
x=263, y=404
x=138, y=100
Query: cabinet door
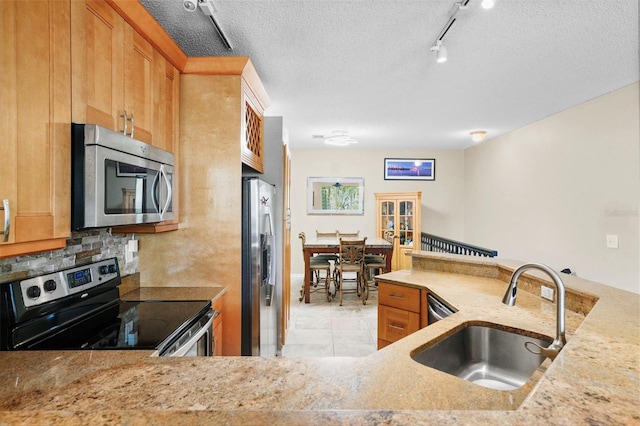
x=103, y=70
x=35, y=99
x=252, y=138
x=166, y=94
x=394, y=323
x=138, y=84
x=399, y=221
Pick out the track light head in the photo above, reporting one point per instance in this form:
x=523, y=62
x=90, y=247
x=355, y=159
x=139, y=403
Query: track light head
x=441, y=52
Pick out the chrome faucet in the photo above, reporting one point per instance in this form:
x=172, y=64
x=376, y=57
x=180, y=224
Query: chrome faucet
x=509, y=298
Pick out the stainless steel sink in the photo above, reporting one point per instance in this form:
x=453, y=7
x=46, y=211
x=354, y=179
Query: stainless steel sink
x=485, y=355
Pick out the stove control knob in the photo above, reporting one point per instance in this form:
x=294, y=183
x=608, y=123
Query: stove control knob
x=33, y=292
x=104, y=269
x=112, y=269
x=49, y=285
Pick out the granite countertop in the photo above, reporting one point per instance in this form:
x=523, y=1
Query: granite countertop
x=594, y=379
x=174, y=293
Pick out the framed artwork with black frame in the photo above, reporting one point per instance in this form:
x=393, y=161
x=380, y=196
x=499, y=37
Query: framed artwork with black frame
x=409, y=169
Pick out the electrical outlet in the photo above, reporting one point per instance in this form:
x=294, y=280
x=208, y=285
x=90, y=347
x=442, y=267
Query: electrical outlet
x=612, y=241
x=546, y=292
x=132, y=245
x=128, y=255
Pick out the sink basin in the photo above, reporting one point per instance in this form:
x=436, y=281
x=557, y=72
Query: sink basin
x=485, y=355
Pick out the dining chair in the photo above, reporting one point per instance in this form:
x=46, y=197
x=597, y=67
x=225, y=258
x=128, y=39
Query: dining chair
x=373, y=265
x=351, y=260
x=333, y=234
x=316, y=266
x=348, y=234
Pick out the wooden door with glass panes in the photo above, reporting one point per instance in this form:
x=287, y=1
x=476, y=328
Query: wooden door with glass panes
x=398, y=221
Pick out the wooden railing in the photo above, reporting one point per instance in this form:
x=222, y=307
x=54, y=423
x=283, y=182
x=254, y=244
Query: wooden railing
x=429, y=242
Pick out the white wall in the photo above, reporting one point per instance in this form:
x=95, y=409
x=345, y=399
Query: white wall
x=442, y=199
x=551, y=191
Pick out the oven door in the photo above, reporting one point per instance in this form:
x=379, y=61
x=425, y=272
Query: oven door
x=197, y=341
x=123, y=189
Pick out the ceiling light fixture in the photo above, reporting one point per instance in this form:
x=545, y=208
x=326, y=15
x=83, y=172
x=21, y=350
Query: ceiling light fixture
x=441, y=52
x=487, y=4
x=207, y=7
x=340, y=138
x=478, y=135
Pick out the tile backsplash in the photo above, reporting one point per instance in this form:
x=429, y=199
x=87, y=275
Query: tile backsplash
x=82, y=248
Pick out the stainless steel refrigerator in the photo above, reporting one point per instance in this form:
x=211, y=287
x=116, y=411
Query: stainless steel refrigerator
x=260, y=302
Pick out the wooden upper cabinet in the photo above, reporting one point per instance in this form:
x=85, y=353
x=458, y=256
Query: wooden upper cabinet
x=118, y=73
x=252, y=141
x=398, y=220
x=35, y=99
x=251, y=98
x=97, y=44
x=138, y=84
x=166, y=91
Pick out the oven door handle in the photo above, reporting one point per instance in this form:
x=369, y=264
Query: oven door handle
x=194, y=339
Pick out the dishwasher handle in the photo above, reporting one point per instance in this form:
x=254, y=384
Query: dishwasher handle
x=437, y=309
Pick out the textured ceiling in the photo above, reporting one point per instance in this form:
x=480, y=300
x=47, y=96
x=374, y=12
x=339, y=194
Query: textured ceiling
x=365, y=66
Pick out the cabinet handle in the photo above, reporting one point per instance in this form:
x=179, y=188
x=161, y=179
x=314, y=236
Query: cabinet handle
x=397, y=327
x=132, y=126
x=124, y=116
x=7, y=220
x=395, y=296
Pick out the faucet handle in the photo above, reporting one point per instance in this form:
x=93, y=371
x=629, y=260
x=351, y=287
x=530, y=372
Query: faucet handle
x=551, y=352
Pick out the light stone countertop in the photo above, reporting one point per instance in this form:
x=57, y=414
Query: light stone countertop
x=594, y=380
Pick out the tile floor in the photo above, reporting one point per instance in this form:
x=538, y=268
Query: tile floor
x=326, y=329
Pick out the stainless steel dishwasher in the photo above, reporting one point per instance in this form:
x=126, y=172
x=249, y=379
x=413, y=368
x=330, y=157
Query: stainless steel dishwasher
x=437, y=309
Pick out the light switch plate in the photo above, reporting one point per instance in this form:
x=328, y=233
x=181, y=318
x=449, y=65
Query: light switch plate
x=612, y=241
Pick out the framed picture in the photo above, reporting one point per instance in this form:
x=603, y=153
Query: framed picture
x=409, y=169
x=335, y=195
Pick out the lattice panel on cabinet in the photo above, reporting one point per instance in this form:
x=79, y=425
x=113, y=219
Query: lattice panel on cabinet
x=254, y=130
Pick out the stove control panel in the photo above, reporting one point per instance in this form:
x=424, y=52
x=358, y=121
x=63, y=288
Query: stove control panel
x=57, y=285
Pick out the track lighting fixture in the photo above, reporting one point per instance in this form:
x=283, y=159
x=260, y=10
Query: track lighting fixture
x=441, y=51
x=208, y=8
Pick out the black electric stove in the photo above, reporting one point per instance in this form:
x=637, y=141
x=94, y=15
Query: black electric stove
x=79, y=308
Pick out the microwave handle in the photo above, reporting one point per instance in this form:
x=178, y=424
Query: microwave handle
x=169, y=192
x=154, y=187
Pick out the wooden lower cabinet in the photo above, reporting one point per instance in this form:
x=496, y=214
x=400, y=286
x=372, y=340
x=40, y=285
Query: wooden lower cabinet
x=401, y=311
x=217, y=328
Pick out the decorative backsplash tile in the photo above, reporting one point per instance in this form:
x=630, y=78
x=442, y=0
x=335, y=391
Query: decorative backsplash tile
x=82, y=248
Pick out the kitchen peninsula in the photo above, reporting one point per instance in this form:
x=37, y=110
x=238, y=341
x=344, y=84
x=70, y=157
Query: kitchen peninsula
x=594, y=380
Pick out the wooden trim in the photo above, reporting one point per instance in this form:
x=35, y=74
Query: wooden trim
x=230, y=65
x=145, y=229
x=143, y=22
x=18, y=249
x=216, y=65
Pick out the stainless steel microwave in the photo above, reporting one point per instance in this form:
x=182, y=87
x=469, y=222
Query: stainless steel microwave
x=117, y=180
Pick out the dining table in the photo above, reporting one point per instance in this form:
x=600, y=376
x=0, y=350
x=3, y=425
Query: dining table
x=314, y=246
